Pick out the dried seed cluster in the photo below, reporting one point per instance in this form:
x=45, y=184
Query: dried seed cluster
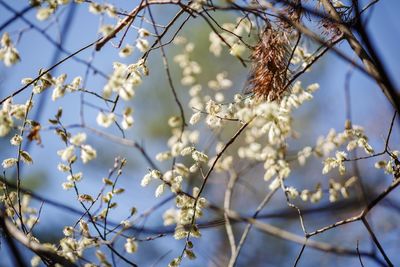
x=269, y=73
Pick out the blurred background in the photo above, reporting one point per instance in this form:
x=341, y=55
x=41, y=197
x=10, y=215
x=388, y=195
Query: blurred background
x=38, y=44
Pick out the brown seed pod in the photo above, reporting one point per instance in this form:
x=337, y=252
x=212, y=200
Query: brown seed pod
x=269, y=72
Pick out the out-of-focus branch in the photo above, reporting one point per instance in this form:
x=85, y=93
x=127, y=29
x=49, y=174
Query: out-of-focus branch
x=14, y=18
x=227, y=205
x=286, y=235
x=11, y=244
x=364, y=213
x=375, y=239
x=41, y=250
x=370, y=65
x=235, y=256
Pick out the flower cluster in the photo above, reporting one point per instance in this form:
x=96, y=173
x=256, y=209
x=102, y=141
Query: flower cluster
x=60, y=88
x=189, y=207
x=313, y=196
x=8, y=53
x=232, y=36
x=46, y=8
x=391, y=166
x=352, y=137
x=182, y=144
x=142, y=44
x=301, y=57
x=29, y=215
x=73, y=249
x=190, y=68
x=98, y=9
x=11, y=111
x=46, y=81
x=335, y=188
x=265, y=139
x=125, y=79
x=87, y=153
x=335, y=162
x=105, y=119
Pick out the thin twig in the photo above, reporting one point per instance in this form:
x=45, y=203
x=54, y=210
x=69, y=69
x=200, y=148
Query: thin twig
x=365, y=222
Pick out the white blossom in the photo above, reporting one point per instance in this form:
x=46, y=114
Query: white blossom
x=35, y=261
x=105, y=120
x=237, y=50
x=6, y=123
x=8, y=163
x=303, y=155
x=126, y=51
x=8, y=53
x=142, y=45
x=95, y=8
x=175, y=121
x=146, y=180
x=26, y=157
x=63, y=168
x=74, y=86
x=67, y=154
x=143, y=32
x=170, y=216
x=78, y=139
x=160, y=189
x=195, y=118
x=163, y=156
x=130, y=245
x=16, y=140
x=75, y=177
x=187, y=151
x=88, y=153
x=292, y=192
x=199, y=156
x=67, y=185
x=44, y=13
